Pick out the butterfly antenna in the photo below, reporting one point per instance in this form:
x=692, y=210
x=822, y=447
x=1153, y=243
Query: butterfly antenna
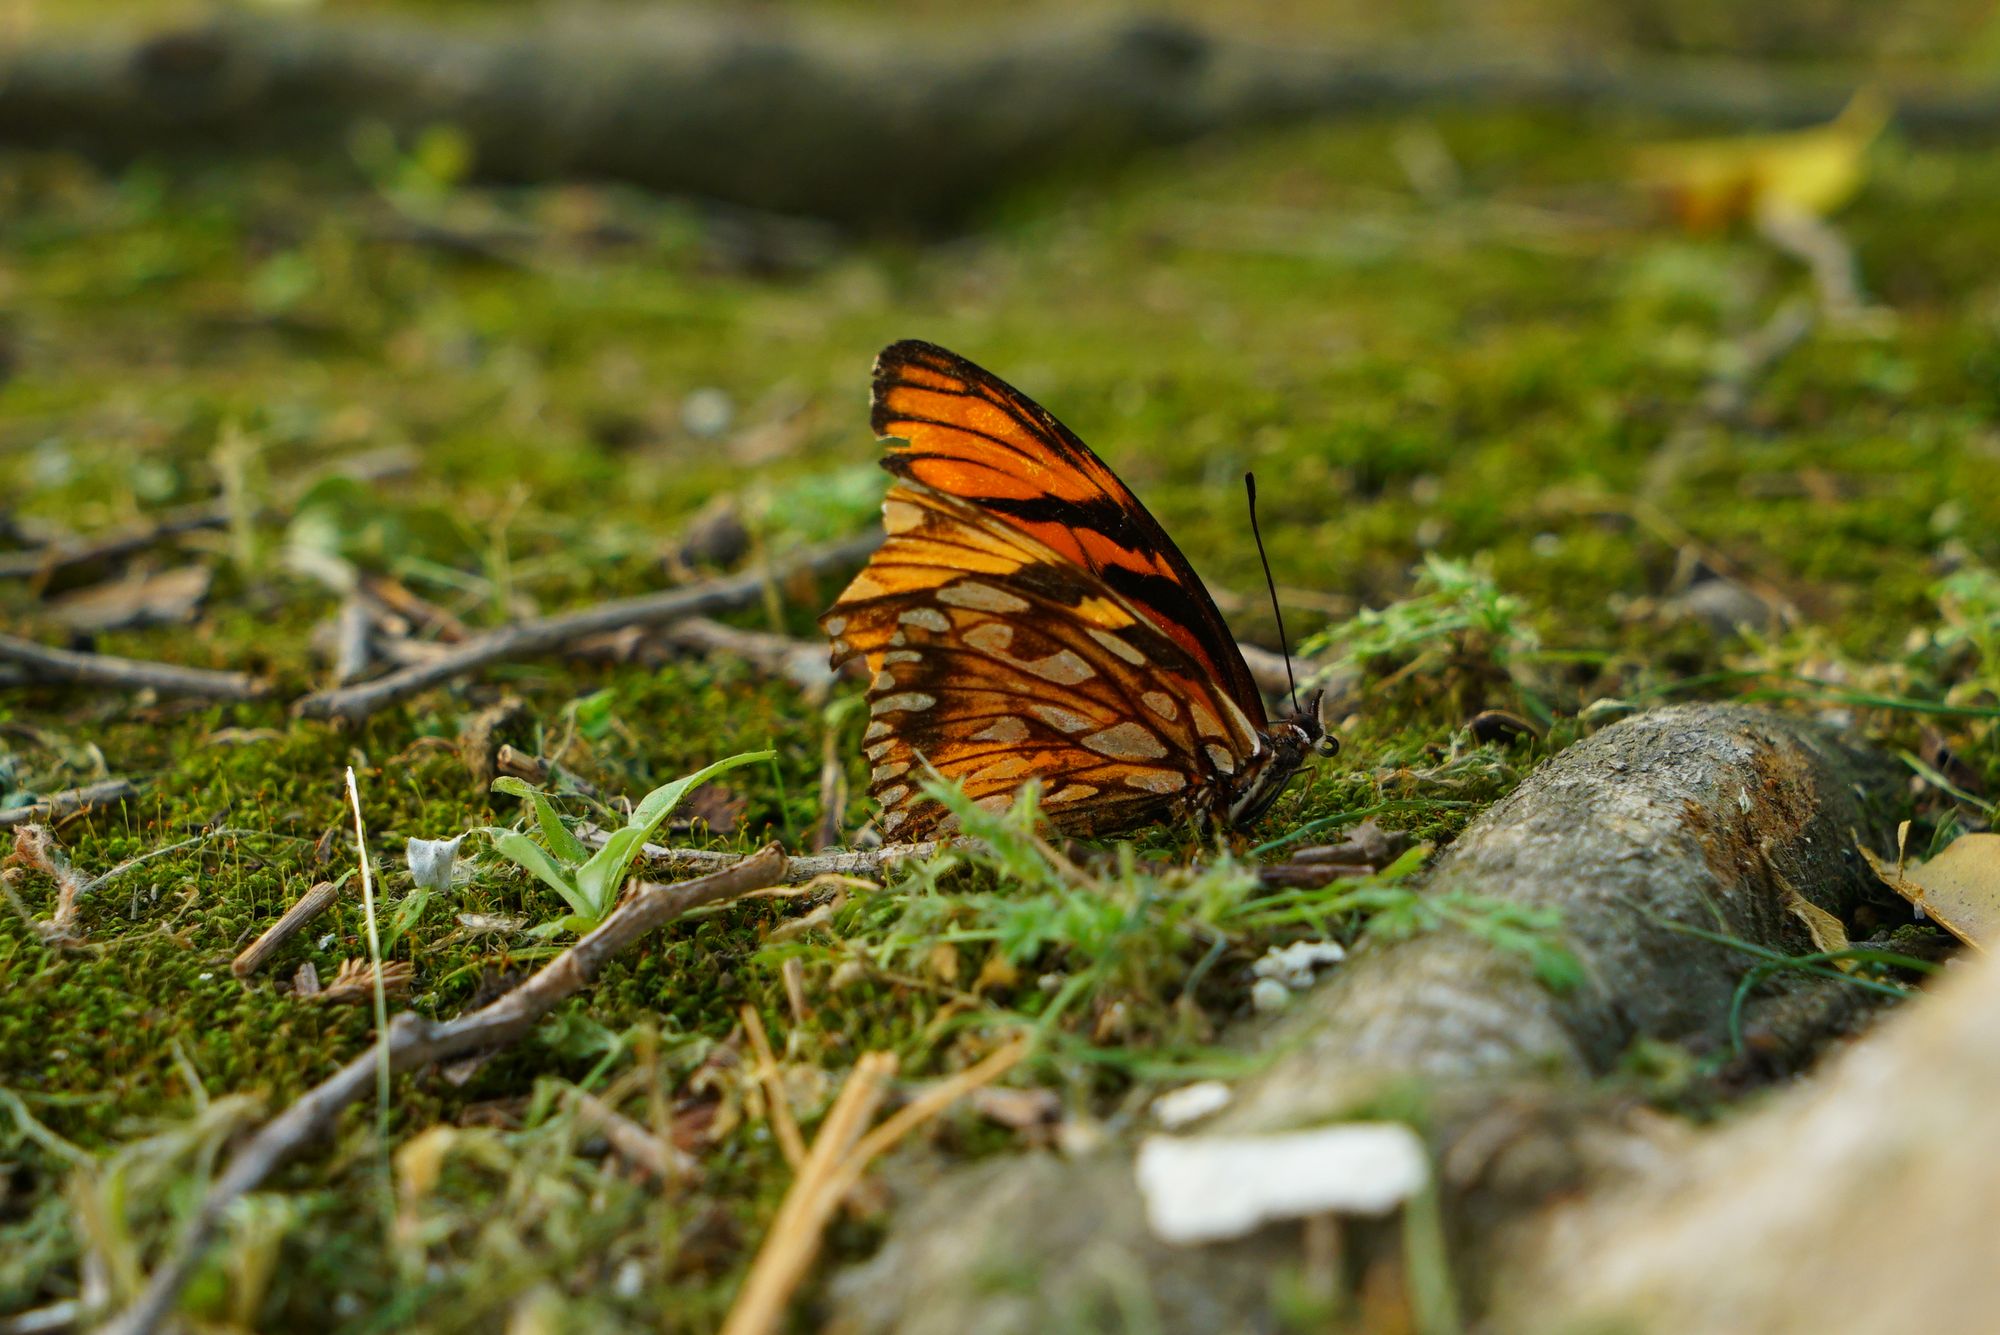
x=1250, y=486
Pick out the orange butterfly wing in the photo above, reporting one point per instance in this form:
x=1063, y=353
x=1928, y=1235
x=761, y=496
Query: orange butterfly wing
x=994, y=659
x=967, y=433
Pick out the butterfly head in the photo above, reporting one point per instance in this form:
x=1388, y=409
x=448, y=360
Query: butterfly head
x=1288, y=744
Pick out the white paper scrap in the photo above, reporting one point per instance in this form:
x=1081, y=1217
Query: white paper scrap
x=1208, y=1188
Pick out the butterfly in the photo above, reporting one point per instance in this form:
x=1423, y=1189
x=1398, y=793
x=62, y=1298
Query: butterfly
x=1027, y=619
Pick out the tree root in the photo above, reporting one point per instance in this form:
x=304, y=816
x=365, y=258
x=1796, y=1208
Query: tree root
x=1699, y=817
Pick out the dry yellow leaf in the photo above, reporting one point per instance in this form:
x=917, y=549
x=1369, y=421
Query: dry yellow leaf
x=1708, y=184
x=1959, y=889
x=1826, y=930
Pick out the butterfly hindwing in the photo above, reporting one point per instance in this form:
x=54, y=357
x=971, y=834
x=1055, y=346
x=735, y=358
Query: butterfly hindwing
x=993, y=658
x=966, y=433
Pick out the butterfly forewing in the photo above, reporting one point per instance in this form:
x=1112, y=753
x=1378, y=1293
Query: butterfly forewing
x=994, y=659
x=971, y=435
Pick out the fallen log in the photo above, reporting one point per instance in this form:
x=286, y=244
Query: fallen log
x=1702, y=817
x=866, y=125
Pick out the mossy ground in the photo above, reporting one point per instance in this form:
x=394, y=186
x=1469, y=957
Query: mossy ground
x=1487, y=374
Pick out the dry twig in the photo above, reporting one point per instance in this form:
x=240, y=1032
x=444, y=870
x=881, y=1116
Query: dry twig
x=863, y=862
x=782, y=1122
x=49, y=664
x=309, y=906
x=840, y=1155
x=59, y=806
x=660, y=1158
x=793, y=1240
x=42, y=562
x=413, y=1042
x=531, y=639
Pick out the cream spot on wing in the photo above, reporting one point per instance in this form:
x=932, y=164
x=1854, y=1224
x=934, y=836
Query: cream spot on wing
x=883, y=681
x=884, y=773
x=912, y=701
x=1007, y=767
x=834, y=625
x=1116, y=644
x=1075, y=792
x=1062, y=667
x=1222, y=758
x=876, y=730
x=891, y=819
x=1205, y=722
x=867, y=584
x=901, y=516
x=1004, y=730
x=925, y=618
x=1246, y=734
x=1066, y=720
x=993, y=637
x=995, y=802
x=902, y=656
x=1126, y=741
x=981, y=597
x=1105, y=613
x=1156, y=780
x=891, y=796
x=880, y=749
x=1162, y=704
x=841, y=648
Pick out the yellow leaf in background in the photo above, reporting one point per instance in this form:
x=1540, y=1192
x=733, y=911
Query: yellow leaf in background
x=1959, y=889
x=1827, y=932
x=1708, y=184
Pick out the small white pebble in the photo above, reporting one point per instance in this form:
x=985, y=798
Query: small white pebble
x=1294, y=965
x=707, y=412
x=1190, y=1103
x=204, y=977
x=1269, y=995
x=326, y=941
x=630, y=1281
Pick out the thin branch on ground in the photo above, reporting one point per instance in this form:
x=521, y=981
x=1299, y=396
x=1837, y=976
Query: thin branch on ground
x=42, y=562
x=804, y=663
x=413, y=1042
x=866, y=862
x=660, y=1158
x=309, y=906
x=59, y=806
x=64, y=665
x=545, y=635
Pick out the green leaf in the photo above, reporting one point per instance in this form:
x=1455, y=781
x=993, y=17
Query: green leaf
x=599, y=878
x=569, y=922
x=519, y=849
x=567, y=848
x=656, y=805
